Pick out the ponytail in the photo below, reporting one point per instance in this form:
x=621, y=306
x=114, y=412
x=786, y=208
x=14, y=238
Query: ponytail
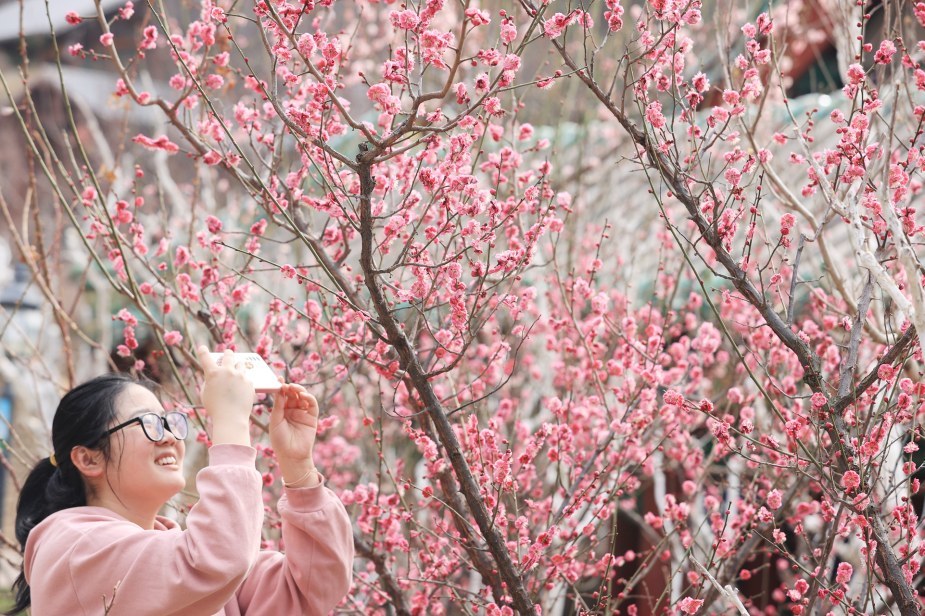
x=82, y=418
x=47, y=489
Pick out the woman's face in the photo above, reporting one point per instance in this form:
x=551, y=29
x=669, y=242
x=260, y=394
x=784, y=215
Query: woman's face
x=140, y=471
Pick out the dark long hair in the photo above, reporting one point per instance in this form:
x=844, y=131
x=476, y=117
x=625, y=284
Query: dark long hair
x=82, y=418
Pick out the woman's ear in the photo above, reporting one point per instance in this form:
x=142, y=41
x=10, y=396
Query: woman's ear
x=90, y=462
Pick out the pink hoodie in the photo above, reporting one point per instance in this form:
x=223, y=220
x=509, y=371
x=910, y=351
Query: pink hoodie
x=80, y=559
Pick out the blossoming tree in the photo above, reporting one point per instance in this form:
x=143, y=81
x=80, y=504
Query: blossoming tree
x=353, y=191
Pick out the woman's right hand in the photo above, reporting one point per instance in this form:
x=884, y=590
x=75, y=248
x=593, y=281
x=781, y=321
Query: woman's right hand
x=228, y=396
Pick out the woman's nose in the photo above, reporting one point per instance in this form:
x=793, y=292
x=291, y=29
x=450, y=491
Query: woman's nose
x=169, y=437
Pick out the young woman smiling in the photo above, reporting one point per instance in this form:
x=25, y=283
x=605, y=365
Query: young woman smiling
x=94, y=544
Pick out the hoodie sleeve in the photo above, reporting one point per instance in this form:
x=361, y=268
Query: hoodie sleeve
x=110, y=561
x=315, y=572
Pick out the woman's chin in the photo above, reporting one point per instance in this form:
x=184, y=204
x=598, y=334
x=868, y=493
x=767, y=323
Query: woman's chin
x=179, y=484
x=170, y=487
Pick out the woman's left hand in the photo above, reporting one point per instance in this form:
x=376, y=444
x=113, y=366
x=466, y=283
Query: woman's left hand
x=293, y=427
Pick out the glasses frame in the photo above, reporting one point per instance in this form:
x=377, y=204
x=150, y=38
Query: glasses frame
x=162, y=422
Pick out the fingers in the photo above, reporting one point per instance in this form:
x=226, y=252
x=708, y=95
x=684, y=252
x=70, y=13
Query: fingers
x=280, y=401
x=205, y=359
x=305, y=399
x=308, y=403
x=295, y=397
x=209, y=365
x=299, y=398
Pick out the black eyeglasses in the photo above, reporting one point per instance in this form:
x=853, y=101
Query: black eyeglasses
x=154, y=425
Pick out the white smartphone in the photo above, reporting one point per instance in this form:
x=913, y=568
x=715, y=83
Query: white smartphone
x=259, y=373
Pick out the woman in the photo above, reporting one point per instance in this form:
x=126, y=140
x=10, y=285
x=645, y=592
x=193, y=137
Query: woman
x=94, y=544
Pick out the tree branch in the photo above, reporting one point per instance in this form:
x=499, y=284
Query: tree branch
x=429, y=400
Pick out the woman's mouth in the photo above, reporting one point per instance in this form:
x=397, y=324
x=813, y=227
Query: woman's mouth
x=166, y=460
